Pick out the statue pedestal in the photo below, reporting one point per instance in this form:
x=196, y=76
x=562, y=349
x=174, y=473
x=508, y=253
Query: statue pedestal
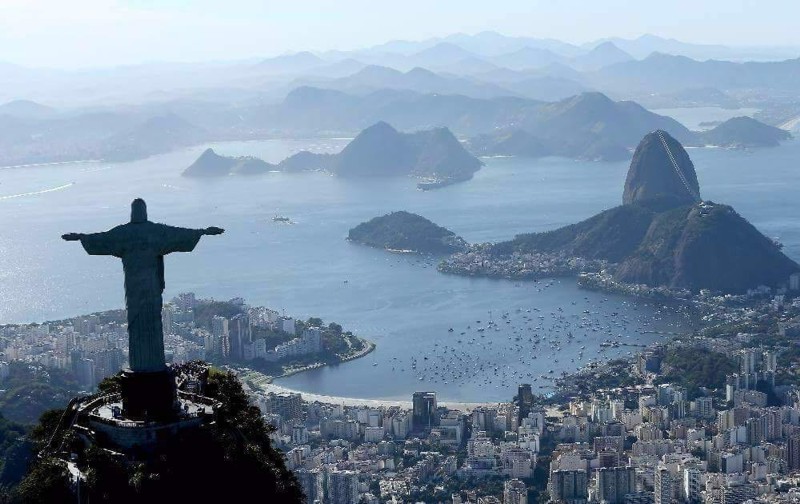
x=149, y=396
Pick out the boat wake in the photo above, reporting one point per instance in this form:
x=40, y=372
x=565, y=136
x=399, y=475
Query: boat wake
x=36, y=193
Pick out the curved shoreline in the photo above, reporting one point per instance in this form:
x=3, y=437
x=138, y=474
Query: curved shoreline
x=269, y=387
x=369, y=347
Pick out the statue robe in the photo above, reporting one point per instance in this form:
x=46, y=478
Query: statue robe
x=142, y=247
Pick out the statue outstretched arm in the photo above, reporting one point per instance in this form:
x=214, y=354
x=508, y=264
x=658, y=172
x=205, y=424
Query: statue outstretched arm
x=96, y=243
x=177, y=239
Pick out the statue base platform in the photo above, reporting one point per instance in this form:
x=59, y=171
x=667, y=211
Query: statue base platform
x=149, y=396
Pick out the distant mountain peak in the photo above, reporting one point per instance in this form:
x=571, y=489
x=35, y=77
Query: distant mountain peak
x=445, y=49
x=607, y=45
x=609, y=48
x=26, y=109
x=419, y=71
x=379, y=127
x=378, y=70
x=589, y=100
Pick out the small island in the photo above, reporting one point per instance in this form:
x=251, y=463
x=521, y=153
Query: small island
x=211, y=164
x=744, y=132
x=407, y=232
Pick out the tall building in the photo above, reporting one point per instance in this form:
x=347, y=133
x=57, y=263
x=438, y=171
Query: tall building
x=86, y=373
x=793, y=453
x=748, y=359
x=342, y=487
x=770, y=361
x=219, y=328
x=240, y=335
x=524, y=400
x=285, y=404
x=107, y=362
x=692, y=485
x=515, y=492
x=613, y=483
x=424, y=415
x=167, y=319
x=568, y=486
x=663, y=487
x=311, y=481
x=704, y=407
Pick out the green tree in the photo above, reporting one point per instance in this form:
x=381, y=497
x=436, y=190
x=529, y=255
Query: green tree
x=219, y=462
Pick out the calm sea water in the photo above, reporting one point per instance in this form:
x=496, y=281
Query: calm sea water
x=400, y=302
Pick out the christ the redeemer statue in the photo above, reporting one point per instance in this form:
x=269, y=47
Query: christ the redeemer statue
x=142, y=245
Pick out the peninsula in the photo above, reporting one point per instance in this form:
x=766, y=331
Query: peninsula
x=224, y=333
x=663, y=236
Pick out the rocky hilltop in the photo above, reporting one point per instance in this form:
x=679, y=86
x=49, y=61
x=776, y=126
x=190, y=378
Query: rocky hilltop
x=661, y=173
x=662, y=236
x=705, y=246
x=211, y=164
x=382, y=151
x=408, y=232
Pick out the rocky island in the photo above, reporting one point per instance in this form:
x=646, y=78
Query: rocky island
x=211, y=164
x=435, y=156
x=744, y=132
x=407, y=232
x=663, y=236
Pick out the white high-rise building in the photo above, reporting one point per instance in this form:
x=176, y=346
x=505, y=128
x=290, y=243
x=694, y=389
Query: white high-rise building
x=692, y=484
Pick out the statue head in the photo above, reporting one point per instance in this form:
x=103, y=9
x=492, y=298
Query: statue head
x=138, y=211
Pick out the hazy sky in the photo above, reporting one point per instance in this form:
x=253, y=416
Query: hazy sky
x=80, y=33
